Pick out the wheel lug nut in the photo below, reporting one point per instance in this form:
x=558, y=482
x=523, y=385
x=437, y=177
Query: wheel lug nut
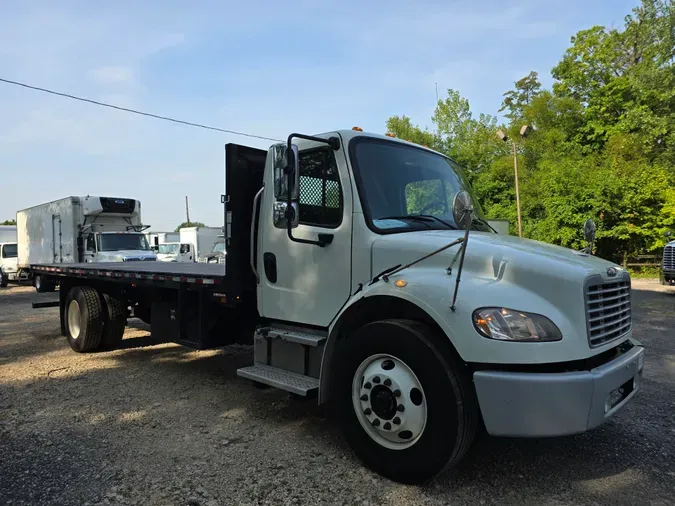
x=387, y=382
x=364, y=397
x=376, y=379
x=387, y=426
x=397, y=393
x=376, y=422
x=396, y=420
x=367, y=411
x=400, y=408
x=367, y=385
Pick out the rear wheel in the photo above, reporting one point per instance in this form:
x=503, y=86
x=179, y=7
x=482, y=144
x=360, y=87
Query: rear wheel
x=84, y=319
x=116, y=321
x=42, y=285
x=406, y=406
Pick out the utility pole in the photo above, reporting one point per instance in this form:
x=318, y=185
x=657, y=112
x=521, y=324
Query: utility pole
x=187, y=211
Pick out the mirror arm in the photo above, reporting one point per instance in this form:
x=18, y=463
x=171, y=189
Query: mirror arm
x=333, y=142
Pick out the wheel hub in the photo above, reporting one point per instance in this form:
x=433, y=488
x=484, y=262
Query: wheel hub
x=389, y=401
x=74, y=319
x=383, y=402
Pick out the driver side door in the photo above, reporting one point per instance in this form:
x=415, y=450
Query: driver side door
x=306, y=283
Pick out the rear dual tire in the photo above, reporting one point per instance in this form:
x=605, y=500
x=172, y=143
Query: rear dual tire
x=406, y=404
x=93, y=321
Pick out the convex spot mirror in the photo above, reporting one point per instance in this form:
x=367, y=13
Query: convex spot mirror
x=589, y=230
x=462, y=209
x=282, y=160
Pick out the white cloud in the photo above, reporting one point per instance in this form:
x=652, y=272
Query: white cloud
x=113, y=75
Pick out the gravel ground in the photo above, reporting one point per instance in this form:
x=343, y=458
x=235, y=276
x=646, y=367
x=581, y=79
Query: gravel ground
x=164, y=425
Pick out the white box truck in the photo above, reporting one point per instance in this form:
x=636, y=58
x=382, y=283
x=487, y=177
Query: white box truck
x=200, y=238
x=8, y=260
x=345, y=277
x=157, y=238
x=80, y=229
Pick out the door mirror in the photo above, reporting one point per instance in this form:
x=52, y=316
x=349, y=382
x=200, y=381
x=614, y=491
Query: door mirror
x=282, y=161
x=279, y=214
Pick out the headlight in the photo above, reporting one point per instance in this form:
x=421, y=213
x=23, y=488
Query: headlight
x=510, y=325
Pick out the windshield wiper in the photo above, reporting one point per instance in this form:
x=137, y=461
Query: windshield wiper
x=484, y=222
x=422, y=218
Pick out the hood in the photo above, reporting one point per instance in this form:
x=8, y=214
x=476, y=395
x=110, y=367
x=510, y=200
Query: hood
x=9, y=264
x=167, y=257
x=488, y=255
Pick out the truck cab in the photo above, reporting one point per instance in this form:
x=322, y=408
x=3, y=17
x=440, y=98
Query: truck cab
x=175, y=252
x=117, y=247
x=9, y=270
x=352, y=252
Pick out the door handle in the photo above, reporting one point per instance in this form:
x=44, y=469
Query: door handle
x=256, y=199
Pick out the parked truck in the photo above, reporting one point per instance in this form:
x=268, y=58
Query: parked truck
x=363, y=272
x=201, y=239
x=175, y=252
x=157, y=238
x=667, y=273
x=80, y=229
x=217, y=253
x=8, y=262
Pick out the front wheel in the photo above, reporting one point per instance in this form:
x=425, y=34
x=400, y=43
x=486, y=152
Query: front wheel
x=4, y=280
x=406, y=406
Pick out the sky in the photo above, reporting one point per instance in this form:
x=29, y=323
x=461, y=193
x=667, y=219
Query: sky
x=265, y=68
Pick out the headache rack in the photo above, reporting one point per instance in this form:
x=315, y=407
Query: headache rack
x=608, y=308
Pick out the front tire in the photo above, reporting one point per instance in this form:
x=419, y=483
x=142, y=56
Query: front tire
x=406, y=405
x=84, y=319
x=4, y=280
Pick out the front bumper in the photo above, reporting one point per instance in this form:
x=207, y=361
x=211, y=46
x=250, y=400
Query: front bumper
x=667, y=277
x=557, y=404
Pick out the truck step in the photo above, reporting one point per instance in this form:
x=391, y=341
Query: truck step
x=293, y=335
x=278, y=378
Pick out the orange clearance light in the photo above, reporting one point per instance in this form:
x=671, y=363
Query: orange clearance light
x=401, y=283
x=389, y=134
x=358, y=129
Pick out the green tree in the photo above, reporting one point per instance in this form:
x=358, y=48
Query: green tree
x=603, y=144
x=8, y=222
x=187, y=224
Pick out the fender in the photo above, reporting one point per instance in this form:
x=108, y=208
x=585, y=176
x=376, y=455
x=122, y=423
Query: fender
x=383, y=290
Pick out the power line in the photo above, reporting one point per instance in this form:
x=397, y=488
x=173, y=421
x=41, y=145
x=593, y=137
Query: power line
x=134, y=111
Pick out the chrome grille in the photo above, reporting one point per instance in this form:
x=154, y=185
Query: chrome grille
x=669, y=257
x=608, y=309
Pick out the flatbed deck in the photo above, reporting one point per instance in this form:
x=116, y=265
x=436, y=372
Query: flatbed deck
x=187, y=272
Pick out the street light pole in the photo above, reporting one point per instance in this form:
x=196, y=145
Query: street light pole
x=524, y=131
x=515, y=170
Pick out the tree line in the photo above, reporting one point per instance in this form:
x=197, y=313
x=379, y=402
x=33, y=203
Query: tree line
x=602, y=145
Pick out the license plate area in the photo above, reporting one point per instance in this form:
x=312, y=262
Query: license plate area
x=618, y=395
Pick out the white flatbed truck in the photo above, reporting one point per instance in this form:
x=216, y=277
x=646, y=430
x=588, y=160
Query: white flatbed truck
x=344, y=257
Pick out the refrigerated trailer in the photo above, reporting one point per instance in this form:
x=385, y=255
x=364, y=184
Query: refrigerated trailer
x=363, y=272
x=80, y=229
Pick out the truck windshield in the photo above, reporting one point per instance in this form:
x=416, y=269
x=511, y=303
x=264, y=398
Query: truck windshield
x=9, y=251
x=219, y=247
x=117, y=242
x=168, y=249
x=405, y=188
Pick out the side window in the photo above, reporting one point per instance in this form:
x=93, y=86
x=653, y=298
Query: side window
x=91, y=244
x=428, y=197
x=320, y=192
